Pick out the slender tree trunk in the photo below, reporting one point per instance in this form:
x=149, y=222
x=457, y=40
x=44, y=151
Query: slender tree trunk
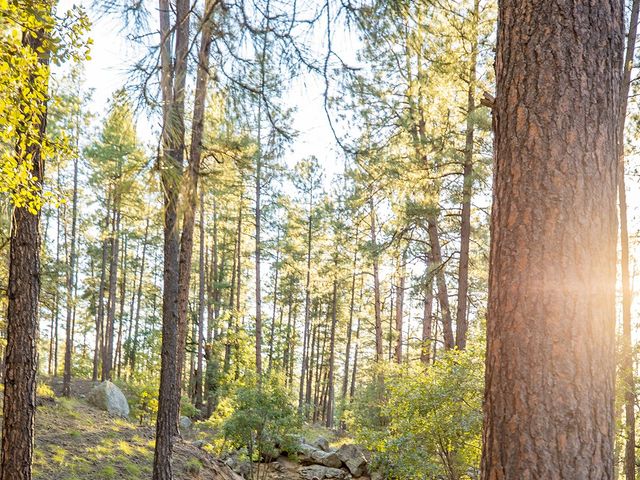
x=23, y=291
x=347, y=354
x=307, y=305
x=332, y=347
x=66, y=385
x=462, y=322
x=400, y=305
x=438, y=267
x=107, y=357
x=117, y=364
x=376, y=283
x=136, y=328
x=627, y=374
x=201, y=307
x=101, y=307
x=427, y=321
x=193, y=174
x=550, y=363
x=172, y=84
x=275, y=303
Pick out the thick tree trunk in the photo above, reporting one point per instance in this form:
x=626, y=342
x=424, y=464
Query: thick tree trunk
x=19, y=406
x=550, y=364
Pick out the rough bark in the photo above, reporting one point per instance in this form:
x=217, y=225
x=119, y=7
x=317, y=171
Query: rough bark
x=550, y=364
x=19, y=406
x=172, y=84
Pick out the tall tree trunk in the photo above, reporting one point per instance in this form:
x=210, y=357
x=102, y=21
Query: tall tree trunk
x=307, y=305
x=332, y=348
x=438, y=268
x=550, y=363
x=275, y=302
x=376, y=282
x=107, y=354
x=136, y=328
x=400, y=305
x=191, y=182
x=347, y=354
x=23, y=290
x=101, y=307
x=172, y=85
x=462, y=322
x=71, y=279
x=427, y=320
x=117, y=363
x=627, y=374
x=201, y=307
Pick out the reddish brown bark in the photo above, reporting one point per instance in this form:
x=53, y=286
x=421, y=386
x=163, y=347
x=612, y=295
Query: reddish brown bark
x=550, y=365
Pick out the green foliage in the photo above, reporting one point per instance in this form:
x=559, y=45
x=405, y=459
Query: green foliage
x=24, y=89
x=258, y=419
x=429, y=425
x=188, y=409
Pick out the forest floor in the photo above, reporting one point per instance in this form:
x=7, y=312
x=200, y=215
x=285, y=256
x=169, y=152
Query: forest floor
x=75, y=441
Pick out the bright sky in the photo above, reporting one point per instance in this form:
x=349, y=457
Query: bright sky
x=111, y=55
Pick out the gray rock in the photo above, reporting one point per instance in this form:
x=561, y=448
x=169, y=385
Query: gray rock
x=354, y=458
x=376, y=476
x=312, y=456
x=319, y=472
x=321, y=443
x=241, y=467
x=185, y=423
x=328, y=459
x=106, y=396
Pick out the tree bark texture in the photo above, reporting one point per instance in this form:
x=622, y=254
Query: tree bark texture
x=550, y=364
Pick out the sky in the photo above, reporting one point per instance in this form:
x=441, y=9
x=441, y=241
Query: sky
x=112, y=55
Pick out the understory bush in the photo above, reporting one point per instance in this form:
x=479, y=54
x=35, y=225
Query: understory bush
x=427, y=421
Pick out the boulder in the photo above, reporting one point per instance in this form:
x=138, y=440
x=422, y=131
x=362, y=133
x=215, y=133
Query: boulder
x=354, y=458
x=106, y=396
x=321, y=443
x=185, y=423
x=313, y=456
x=241, y=467
x=319, y=472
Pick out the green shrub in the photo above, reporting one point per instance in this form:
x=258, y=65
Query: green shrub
x=429, y=422
x=259, y=419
